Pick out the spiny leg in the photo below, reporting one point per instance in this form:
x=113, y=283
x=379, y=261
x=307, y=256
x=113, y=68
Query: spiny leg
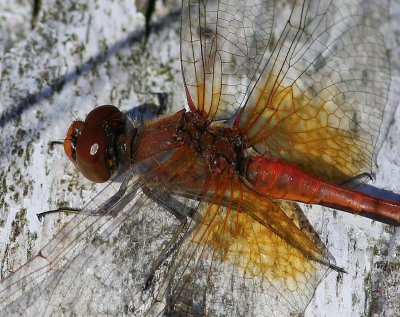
x=104, y=208
x=355, y=181
x=182, y=213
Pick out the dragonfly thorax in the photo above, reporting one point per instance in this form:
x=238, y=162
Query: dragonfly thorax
x=221, y=146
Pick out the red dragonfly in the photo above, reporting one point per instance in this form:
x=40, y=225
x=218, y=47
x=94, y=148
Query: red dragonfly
x=271, y=121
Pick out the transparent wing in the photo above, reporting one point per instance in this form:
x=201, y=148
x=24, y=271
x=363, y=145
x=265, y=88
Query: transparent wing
x=245, y=256
x=319, y=100
x=311, y=79
x=229, y=252
x=222, y=44
x=100, y=262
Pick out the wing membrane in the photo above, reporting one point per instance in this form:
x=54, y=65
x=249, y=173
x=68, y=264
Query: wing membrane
x=98, y=264
x=222, y=43
x=319, y=101
x=244, y=254
x=234, y=245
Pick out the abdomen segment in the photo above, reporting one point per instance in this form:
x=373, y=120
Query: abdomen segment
x=279, y=180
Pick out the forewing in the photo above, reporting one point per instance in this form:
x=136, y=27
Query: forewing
x=222, y=44
x=319, y=101
x=244, y=256
x=100, y=262
x=231, y=252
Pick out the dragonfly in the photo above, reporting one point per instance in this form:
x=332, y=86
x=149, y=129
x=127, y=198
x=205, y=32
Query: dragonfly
x=270, y=122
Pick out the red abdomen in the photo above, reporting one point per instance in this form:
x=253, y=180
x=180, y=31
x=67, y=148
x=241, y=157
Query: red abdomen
x=279, y=180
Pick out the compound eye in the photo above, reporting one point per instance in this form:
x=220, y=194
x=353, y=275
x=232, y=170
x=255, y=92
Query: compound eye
x=106, y=115
x=90, y=145
x=91, y=155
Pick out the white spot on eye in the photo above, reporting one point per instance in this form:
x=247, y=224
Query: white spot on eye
x=94, y=148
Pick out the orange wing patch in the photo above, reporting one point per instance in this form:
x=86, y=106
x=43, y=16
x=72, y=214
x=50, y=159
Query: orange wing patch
x=315, y=133
x=251, y=237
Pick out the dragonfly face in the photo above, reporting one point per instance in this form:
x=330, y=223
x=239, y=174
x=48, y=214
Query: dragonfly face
x=92, y=145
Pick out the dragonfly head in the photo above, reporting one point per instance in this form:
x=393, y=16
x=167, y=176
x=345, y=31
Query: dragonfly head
x=92, y=145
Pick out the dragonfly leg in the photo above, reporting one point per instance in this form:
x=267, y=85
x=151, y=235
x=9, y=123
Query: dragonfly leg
x=172, y=205
x=173, y=244
x=108, y=207
x=181, y=212
x=357, y=180
x=102, y=210
x=41, y=215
